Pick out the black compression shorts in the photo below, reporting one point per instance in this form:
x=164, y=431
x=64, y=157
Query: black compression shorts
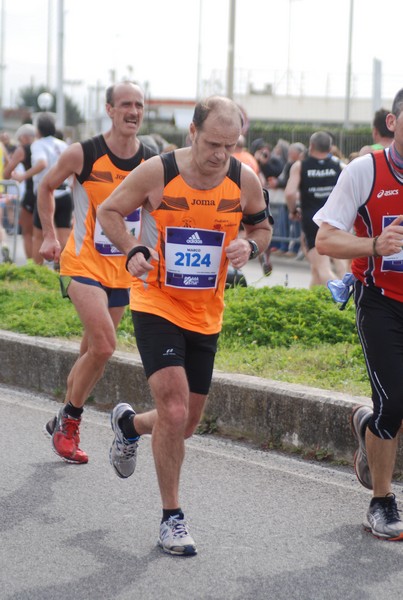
x=28, y=202
x=162, y=344
x=310, y=229
x=380, y=327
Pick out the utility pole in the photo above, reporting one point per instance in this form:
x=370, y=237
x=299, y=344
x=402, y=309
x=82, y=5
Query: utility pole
x=49, y=47
x=60, y=112
x=376, y=85
x=199, y=52
x=2, y=65
x=348, y=80
x=231, y=48
x=289, y=49
x=97, y=109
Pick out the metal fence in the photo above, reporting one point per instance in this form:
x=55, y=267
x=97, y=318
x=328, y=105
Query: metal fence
x=346, y=141
x=286, y=233
x=9, y=213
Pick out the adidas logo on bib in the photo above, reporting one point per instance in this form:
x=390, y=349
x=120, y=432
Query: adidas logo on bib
x=194, y=239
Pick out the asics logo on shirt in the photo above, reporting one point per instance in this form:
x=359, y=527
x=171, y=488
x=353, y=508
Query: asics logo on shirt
x=387, y=193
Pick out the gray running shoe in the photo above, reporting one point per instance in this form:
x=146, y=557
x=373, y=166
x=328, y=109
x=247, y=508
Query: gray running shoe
x=359, y=421
x=123, y=452
x=383, y=519
x=175, y=538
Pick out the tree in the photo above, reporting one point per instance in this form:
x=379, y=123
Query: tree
x=29, y=95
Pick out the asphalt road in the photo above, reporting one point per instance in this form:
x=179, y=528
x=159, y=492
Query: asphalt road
x=267, y=526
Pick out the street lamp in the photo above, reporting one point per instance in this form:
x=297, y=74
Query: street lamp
x=288, y=75
x=45, y=101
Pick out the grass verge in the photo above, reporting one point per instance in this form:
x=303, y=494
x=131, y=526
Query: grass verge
x=290, y=335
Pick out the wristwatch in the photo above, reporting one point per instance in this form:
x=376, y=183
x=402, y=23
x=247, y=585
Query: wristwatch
x=254, y=249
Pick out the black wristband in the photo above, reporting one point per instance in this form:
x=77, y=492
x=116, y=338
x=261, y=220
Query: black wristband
x=143, y=249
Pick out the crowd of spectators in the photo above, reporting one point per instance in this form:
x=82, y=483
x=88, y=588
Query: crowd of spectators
x=272, y=163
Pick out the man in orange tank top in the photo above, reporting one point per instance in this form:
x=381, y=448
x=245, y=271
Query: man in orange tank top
x=369, y=197
x=193, y=201
x=91, y=268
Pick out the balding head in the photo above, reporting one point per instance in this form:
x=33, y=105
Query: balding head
x=112, y=90
x=221, y=107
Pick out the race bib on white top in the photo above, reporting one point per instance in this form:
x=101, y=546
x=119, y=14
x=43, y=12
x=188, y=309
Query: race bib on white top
x=393, y=262
x=192, y=257
x=105, y=246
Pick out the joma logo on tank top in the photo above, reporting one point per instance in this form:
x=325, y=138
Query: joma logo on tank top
x=203, y=203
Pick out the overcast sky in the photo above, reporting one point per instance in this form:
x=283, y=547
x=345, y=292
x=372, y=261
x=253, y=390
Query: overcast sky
x=165, y=44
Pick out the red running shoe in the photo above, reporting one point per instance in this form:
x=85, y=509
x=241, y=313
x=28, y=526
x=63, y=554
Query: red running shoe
x=65, y=434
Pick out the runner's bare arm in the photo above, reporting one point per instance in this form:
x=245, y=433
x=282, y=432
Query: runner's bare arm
x=142, y=188
x=17, y=157
x=253, y=203
x=292, y=188
x=70, y=162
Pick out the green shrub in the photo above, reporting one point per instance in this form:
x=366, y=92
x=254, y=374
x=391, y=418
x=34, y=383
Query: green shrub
x=279, y=317
x=30, y=302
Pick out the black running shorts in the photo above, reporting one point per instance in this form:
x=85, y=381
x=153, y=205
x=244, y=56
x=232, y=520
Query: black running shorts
x=310, y=229
x=63, y=212
x=162, y=344
x=28, y=202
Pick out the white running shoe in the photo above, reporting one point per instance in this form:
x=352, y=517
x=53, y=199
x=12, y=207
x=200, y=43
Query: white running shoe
x=175, y=538
x=123, y=452
x=383, y=519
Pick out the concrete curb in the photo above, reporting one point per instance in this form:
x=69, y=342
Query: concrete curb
x=265, y=411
